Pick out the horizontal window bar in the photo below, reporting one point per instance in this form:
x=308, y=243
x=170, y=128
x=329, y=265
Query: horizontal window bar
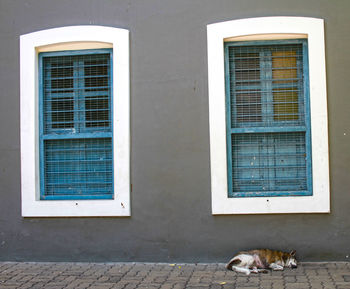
x=81, y=183
x=54, y=171
x=268, y=129
x=270, y=194
x=268, y=155
x=89, y=76
x=79, y=160
x=78, y=197
x=77, y=135
x=48, y=112
x=258, y=166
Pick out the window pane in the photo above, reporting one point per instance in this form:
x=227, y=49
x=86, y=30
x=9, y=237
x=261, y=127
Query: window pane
x=266, y=162
x=58, y=93
x=61, y=76
x=96, y=70
x=248, y=106
x=247, y=68
x=77, y=93
x=78, y=167
x=97, y=111
x=266, y=85
x=284, y=65
x=284, y=70
x=245, y=86
x=285, y=104
x=62, y=112
x=97, y=102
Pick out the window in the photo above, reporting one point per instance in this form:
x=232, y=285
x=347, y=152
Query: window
x=75, y=136
x=76, y=133
x=268, y=116
x=267, y=123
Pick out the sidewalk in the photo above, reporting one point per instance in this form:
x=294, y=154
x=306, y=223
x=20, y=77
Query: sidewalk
x=167, y=276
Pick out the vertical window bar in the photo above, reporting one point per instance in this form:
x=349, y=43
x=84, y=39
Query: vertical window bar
x=230, y=109
x=306, y=93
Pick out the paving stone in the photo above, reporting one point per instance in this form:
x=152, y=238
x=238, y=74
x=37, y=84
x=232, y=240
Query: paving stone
x=26, y=286
x=215, y=286
x=289, y=279
x=338, y=284
x=296, y=285
x=315, y=284
x=301, y=278
x=329, y=287
x=166, y=286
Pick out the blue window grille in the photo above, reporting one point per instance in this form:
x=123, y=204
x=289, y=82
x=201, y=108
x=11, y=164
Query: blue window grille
x=75, y=110
x=268, y=118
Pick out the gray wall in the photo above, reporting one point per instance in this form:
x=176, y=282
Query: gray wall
x=171, y=202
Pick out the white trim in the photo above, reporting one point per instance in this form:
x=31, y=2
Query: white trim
x=78, y=37
x=319, y=202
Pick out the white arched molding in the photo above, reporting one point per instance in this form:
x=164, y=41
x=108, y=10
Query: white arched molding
x=74, y=38
x=268, y=28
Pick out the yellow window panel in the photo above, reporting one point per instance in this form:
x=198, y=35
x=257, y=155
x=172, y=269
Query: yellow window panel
x=285, y=105
x=284, y=66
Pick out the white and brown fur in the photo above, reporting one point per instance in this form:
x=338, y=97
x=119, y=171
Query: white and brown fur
x=256, y=261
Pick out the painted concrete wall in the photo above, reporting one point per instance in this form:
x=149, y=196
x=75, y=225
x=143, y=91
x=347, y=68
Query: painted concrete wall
x=170, y=201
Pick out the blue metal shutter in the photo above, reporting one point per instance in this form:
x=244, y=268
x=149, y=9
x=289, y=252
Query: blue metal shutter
x=76, y=125
x=268, y=126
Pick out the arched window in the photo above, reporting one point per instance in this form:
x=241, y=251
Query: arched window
x=75, y=122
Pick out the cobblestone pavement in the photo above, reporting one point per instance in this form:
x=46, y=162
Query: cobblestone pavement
x=167, y=276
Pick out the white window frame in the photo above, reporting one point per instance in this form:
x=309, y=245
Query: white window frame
x=268, y=28
x=74, y=38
